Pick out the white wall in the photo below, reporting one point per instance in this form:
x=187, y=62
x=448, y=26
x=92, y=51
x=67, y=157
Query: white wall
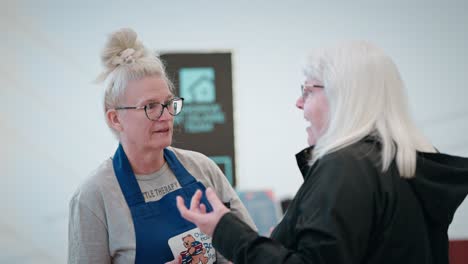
x=51, y=125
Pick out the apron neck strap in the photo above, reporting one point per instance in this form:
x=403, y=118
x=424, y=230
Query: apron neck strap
x=128, y=182
x=182, y=175
x=126, y=178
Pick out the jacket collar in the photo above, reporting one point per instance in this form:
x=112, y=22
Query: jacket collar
x=303, y=158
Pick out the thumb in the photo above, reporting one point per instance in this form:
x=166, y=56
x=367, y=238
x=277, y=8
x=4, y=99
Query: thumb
x=213, y=199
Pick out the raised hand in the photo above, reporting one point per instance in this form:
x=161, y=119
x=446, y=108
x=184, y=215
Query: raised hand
x=197, y=214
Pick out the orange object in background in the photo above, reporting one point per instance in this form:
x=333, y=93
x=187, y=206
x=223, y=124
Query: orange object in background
x=458, y=251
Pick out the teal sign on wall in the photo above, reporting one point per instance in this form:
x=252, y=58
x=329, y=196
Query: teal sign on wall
x=225, y=162
x=197, y=85
x=201, y=111
x=206, y=124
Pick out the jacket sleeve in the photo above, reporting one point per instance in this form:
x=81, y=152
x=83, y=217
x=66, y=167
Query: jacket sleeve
x=333, y=224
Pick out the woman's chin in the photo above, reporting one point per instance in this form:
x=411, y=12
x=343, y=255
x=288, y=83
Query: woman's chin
x=311, y=139
x=161, y=142
x=311, y=142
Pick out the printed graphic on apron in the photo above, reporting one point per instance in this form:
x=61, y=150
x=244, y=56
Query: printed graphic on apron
x=194, y=247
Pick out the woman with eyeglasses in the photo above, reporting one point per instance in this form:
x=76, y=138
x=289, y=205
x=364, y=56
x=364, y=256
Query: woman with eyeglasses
x=375, y=190
x=125, y=211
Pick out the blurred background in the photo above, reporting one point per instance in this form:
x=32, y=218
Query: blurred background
x=52, y=128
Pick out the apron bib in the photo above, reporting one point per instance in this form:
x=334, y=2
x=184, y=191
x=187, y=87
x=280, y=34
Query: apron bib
x=161, y=234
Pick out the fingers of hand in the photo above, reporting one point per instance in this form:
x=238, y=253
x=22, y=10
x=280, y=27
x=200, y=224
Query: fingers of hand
x=180, y=203
x=188, y=214
x=202, y=208
x=181, y=206
x=195, y=202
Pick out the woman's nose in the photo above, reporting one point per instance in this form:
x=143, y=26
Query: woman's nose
x=300, y=102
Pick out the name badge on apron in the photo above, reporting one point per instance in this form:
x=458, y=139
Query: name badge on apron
x=193, y=246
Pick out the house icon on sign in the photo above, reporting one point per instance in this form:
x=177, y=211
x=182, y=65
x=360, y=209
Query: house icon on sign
x=197, y=85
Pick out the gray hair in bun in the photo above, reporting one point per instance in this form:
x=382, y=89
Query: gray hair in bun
x=125, y=59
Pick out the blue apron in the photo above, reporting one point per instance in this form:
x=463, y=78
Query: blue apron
x=156, y=222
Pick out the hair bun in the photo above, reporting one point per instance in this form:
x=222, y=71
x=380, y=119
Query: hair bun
x=122, y=47
x=126, y=57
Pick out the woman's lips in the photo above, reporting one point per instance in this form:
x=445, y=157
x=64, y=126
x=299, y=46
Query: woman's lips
x=162, y=130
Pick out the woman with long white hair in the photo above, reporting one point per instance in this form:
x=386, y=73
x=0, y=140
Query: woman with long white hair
x=375, y=189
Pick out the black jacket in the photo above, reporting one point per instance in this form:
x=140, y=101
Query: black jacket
x=348, y=211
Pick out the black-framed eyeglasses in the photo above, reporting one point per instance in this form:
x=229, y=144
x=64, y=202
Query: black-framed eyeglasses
x=305, y=93
x=154, y=111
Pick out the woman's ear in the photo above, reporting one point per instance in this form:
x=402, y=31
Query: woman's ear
x=113, y=120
